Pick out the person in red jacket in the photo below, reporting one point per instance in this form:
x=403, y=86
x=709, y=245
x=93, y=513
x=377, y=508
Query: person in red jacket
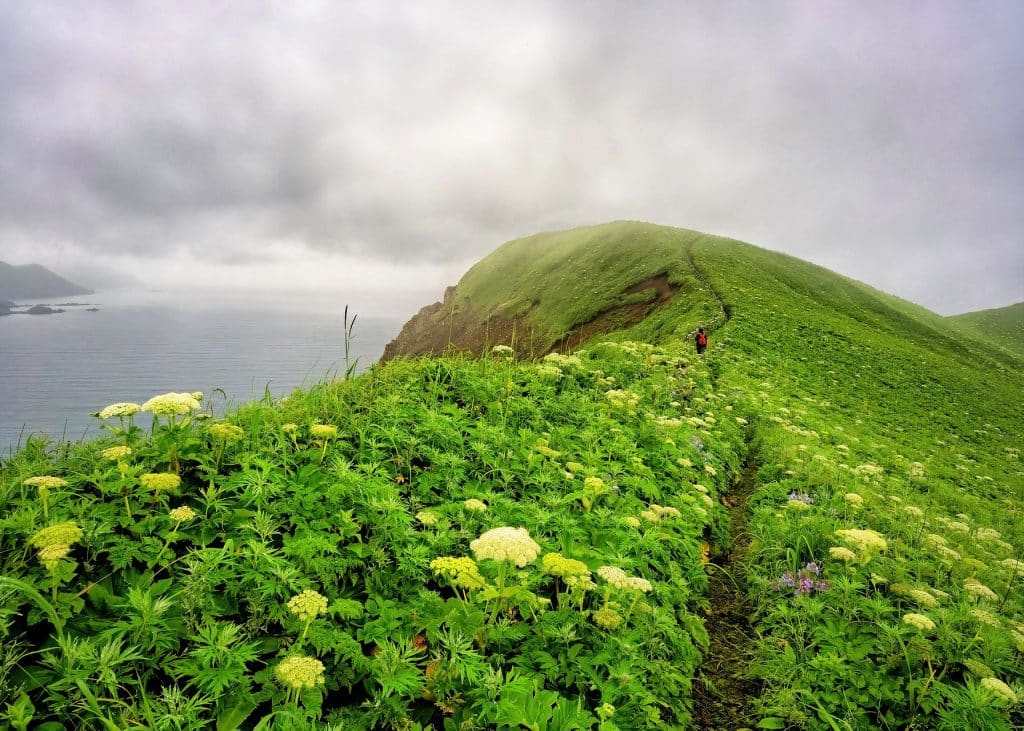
x=701, y=340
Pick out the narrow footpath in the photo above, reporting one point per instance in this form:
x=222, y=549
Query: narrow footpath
x=722, y=694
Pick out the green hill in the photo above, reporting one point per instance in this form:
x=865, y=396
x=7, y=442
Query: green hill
x=33, y=281
x=817, y=524
x=1003, y=326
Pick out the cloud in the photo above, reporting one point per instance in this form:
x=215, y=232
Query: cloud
x=884, y=140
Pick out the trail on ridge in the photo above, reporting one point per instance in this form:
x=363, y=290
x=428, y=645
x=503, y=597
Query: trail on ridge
x=722, y=696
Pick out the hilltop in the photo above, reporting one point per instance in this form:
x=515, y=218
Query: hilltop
x=33, y=281
x=1003, y=326
x=817, y=524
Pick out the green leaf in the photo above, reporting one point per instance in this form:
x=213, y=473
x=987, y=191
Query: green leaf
x=771, y=722
x=238, y=709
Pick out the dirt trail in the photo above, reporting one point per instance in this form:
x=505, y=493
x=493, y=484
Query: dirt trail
x=722, y=696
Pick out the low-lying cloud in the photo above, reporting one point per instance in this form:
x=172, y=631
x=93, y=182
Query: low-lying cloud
x=277, y=144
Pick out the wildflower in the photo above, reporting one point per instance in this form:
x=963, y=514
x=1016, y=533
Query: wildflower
x=51, y=555
x=650, y=516
x=549, y=370
x=637, y=584
x=865, y=540
x=988, y=534
x=475, y=506
x=158, y=481
x=594, y=484
x=801, y=497
x=797, y=505
x=622, y=398
x=124, y=408
x=580, y=582
x=614, y=576
x=289, y=427
x=46, y=482
x=298, y=672
x=558, y=565
x=923, y=598
x=975, y=587
x=171, y=404
x=1013, y=564
x=227, y=433
x=853, y=499
x=978, y=668
x=710, y=470
x=116, y=453
x=631, y=521
x=307, y=605
x=913, y=511
x=999, y=689
x=986, y=618
x=958, y=527
x=573, y=466
x=506, y=544
x=323, y=431
x=502, y=350
x=841, y=553
x=60, y=534
x=607, y=619
x=462, y=571
x=919, y=621
x=197, y=395
x=806, y=581
x=605, y=711
x=180, y=515
x=427, y=518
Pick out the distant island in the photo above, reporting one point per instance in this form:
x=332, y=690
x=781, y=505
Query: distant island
x=33, y=281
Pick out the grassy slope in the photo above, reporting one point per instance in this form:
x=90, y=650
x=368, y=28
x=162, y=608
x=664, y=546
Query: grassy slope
x=1003, y=326
x=562, y=279
x=846, y=390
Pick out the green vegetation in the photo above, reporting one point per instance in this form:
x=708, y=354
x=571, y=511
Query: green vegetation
x=482, y=543
x=31, y=281
x=1003, y=326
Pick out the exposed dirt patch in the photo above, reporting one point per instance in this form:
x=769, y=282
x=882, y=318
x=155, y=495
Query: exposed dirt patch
x=621, y=316
x=722, y=696
x=455, y=326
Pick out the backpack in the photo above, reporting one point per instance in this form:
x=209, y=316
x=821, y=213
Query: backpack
x=702, y=339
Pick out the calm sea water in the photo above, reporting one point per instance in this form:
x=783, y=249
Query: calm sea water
x=56, y=369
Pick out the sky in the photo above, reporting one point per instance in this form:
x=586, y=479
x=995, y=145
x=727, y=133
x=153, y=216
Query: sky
x=377, y=149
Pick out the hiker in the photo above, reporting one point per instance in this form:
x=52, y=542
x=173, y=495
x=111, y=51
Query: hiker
x=701, y=340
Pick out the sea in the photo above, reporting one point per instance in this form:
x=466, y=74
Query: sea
x=57, y=369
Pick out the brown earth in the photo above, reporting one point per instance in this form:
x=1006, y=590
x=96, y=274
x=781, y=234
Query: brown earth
x=450, y=326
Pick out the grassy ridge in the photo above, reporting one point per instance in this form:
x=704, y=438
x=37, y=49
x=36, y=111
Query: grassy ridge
x=865, y=413
x=1003, y=326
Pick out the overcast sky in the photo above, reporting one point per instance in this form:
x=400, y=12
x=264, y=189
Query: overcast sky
x=363, y=145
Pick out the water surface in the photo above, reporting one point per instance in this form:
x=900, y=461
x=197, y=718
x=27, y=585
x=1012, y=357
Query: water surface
x=57, y=369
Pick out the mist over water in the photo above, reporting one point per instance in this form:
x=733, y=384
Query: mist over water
x=57, y=369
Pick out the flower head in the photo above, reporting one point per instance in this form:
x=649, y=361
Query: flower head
x=123, y=408
x=46, y=482
x=181, y=514
x=60, y=534
x=923, y=598
x=323, y=431
x=427, y=517
x=986, y=618
x=841, y=553
x=307, y=605
x=632, y=521
x=853, y=499
x=999, y=689
x=975, y=587
x=475, y=506
x=160, y=481
x=116, y=453
x=506, y=544
x=864, y=540
x=637, y=584
x=919, y=621
x=51, y=555
x=614, y=576
x=558, y=565
x=607, y=619
x=289, y=427
x=461, y=570
x=298, y=672
x=171, y=404
x=227, y=433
